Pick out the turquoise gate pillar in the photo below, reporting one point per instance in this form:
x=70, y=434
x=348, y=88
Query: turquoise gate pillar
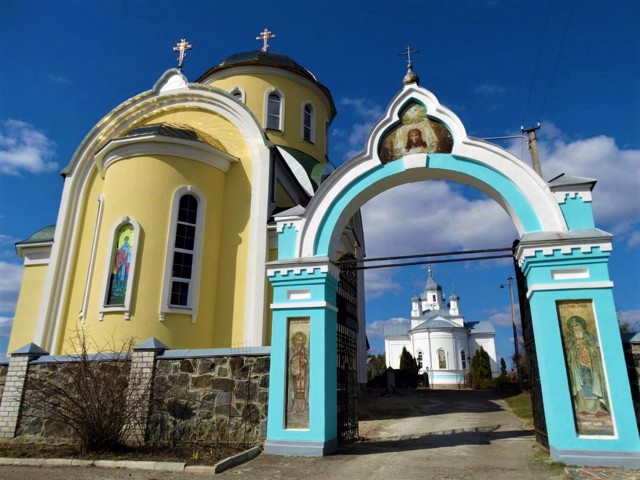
x=587, y=399
x=302, y=417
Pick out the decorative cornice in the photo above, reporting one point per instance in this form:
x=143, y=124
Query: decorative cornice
x=289, y=268
x=563, y=195
x=127, y=147
x=299, y=305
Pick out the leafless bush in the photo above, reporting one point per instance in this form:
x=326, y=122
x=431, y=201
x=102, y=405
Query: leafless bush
x=91, y=393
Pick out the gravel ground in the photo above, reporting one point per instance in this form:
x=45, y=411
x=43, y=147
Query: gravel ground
x=436, y=434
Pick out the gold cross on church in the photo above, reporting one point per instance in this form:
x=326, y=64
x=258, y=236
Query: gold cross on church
x=265, y=35
x=182, y=47
x=407, y=53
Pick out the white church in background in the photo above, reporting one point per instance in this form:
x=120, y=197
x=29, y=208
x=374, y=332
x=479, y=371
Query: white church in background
x=439, y=338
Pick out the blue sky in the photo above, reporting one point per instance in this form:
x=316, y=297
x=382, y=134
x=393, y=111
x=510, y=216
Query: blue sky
x=572, y=65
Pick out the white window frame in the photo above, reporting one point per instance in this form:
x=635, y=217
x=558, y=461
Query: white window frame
x=235, y=90
x=463, y=359
x=191, y=308
x=420, y=358
x=126, y=308
x=312, y=133
x=266, y=109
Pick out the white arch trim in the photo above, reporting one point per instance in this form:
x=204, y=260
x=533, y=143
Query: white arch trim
x=529, y=185
x=170, y=91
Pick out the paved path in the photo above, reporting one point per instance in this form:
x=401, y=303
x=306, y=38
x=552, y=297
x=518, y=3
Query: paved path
x=439, y=435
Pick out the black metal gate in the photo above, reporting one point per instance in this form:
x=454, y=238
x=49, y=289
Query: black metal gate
x=530, y=375
x=347, y=303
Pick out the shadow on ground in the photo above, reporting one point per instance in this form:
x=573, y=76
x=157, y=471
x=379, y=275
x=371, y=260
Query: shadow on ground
x=430, y=402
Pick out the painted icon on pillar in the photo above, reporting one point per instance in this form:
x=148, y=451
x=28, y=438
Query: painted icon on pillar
x=416, y=134
x=585, y=369
x=297, y=416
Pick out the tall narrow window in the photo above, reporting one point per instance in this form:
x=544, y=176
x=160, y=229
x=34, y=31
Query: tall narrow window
x=308, y=123
x=419, y=358
x=183, y=252
x=442, y=360
x=464, y=360
x=274, y=111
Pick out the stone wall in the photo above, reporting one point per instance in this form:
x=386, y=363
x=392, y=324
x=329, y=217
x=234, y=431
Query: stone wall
x=3, y=376
x=197, y=396
x=210, y=400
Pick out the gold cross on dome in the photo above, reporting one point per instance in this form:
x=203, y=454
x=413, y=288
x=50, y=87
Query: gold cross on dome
x=182, y=47
x=265, y=35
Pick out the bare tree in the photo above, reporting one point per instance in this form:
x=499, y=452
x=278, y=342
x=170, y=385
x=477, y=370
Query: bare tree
x=90, y=393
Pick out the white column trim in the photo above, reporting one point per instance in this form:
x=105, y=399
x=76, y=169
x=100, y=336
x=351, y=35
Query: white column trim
x=92, y=257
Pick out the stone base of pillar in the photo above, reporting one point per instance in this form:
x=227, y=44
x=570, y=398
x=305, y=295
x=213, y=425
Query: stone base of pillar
x=297, y=448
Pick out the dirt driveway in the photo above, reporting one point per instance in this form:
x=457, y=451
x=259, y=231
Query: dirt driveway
x=425, y=434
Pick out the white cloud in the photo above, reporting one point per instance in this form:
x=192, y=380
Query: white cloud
x=433, y=216
x=380, y=282
x=615, y=196
x=502, y=317
x=10, y=278
x=59, y=79
x=23, y=148
x=367, y=113
x=375, y=330
x=489, y=89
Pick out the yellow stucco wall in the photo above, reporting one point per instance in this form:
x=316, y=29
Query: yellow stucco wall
x=28, y=306
x=142, y=188
x=255, y=87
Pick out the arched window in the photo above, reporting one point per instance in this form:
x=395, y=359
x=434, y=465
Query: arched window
x=275, y=102
x=308, y=123
x=419, y=358
x=238, y=94
x=463, y=359
x=182, y=269
x=183, y=251
x=120, y=268
x=442, y=359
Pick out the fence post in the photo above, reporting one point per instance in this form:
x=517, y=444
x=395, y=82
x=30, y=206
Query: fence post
x=141, y=376
x=14, y=387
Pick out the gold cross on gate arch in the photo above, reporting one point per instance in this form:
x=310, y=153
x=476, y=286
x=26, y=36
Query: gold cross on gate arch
x=265, y=35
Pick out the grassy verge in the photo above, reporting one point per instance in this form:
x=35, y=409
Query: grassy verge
x=521, y=406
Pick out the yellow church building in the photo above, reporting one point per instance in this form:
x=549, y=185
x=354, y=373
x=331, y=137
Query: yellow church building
x=167, y=214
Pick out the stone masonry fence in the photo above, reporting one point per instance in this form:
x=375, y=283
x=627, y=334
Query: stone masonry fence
x=183, y=396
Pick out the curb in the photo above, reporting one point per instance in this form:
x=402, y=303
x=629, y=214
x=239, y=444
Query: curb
x=237, y=459
x=219, y=467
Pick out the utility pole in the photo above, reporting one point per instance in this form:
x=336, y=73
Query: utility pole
x=515, y=331
x=533, y=147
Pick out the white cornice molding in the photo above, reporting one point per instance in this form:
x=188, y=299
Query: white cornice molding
x=33, y=249
x=298, y=305
x=562, y=195
x=128, y=147
x=310, y=265
x=36, y=254
x=525, y=251
x=567, y=286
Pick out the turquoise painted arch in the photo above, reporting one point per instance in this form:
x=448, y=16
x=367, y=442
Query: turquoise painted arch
x=435, y=167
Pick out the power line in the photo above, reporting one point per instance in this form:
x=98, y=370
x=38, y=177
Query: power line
x=535, y=71
x=429, y=262
x=555, y=66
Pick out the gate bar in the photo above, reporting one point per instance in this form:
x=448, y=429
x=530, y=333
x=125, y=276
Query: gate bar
x=438, y=254
x=425, y=262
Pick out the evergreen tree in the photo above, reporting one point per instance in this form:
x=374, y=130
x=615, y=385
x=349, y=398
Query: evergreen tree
x=503, y=367
x=408, y=363
x=480, y=369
